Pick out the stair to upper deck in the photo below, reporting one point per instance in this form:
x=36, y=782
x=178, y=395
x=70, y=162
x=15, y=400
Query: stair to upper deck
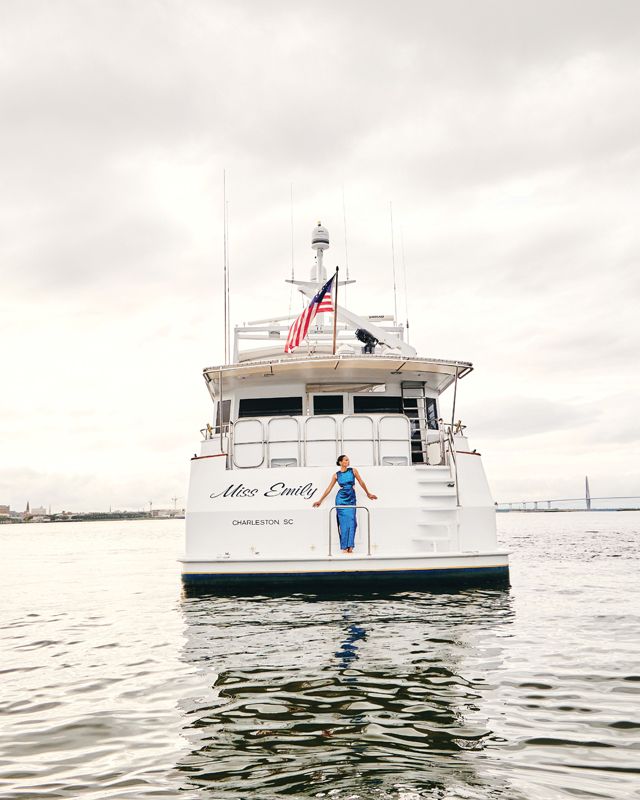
x=438, y=516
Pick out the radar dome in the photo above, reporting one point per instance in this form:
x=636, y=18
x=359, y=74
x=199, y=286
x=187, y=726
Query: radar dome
x=320, y=238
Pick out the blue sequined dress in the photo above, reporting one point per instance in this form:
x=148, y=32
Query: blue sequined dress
x=347, y=522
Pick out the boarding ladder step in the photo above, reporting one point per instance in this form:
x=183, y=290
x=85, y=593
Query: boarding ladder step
x=427, y=475
x=440, y=535
x=432, y=544
x=422, y=413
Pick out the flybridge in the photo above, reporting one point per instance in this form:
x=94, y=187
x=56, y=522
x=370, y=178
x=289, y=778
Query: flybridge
x=354, y=334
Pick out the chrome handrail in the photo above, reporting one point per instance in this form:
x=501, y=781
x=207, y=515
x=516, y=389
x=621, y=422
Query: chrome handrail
x=444, y=440
x=211, y=431
x=333, y=508
x=452, y=450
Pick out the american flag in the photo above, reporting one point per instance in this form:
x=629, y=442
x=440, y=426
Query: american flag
x=321, y=301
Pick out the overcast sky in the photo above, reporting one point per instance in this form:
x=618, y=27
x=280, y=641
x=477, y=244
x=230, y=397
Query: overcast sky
x=507, y=135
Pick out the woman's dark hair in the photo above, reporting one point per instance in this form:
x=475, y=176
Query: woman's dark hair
x=340, y=459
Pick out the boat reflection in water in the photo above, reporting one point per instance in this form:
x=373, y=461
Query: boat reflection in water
x=383, y=696
x=348, y=652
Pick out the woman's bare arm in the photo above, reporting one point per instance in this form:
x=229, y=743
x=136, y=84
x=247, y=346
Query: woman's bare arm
x=332, y=483
x=362, y=483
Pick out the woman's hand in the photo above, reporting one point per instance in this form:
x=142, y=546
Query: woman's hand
x=372, y=496
x=317, y=504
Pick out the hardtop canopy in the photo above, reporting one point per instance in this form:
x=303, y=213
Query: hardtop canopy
x=437, y=374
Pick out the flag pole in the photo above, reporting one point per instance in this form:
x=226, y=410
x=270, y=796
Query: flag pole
x=335, y=312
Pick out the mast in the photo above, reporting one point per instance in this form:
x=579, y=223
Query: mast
x=225, y=282
x=319, y=243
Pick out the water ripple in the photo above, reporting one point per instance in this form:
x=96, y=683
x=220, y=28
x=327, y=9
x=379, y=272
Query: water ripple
x=113, y=686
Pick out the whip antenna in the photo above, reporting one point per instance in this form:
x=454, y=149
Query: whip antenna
x=393, y=264
x=228, y=290
x=404, y=276
x=293, y=276
x=346, y=249
x=292, y=263
x=225, y=282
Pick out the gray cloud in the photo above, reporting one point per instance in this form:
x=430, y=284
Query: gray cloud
x=505, y=134
x=519, y=417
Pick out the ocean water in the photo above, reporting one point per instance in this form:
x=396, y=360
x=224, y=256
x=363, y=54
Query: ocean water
x=113, y=685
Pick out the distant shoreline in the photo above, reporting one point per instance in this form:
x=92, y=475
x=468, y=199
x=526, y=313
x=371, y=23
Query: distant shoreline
x=91, y=517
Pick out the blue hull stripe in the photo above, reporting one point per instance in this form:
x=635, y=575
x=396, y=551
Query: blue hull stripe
x=425, y=576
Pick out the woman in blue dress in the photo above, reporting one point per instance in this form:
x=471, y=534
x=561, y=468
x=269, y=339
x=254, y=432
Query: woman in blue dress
x=346, y=477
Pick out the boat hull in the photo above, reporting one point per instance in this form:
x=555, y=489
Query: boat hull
x=346, y=572
x=257, y=529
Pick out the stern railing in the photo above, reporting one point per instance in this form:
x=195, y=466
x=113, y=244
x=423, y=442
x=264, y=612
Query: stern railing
x=445, y=442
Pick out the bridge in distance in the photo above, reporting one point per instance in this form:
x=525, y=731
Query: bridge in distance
x=574, y=504
x=586, y=503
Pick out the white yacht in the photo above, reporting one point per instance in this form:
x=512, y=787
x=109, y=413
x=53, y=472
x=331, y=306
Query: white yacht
x=280, y=420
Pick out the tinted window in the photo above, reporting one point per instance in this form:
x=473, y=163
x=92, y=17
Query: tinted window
x=377, y=404
x=328, y=404
x=223, y=406
x=270, y=407
x=432, y=414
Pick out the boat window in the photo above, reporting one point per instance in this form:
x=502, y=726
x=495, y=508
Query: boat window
x=224, y=407
x=432, y=414
x=328, y=404
x=377, y=404
x=270, y=407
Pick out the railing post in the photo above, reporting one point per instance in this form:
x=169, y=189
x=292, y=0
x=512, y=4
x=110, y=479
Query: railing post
x=452, y=448
x=220, y=407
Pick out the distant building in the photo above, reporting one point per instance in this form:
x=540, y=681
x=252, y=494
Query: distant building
x=5, y=511
x=166, y=513
x=38, y=511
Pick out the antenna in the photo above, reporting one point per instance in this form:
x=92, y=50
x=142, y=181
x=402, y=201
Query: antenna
x=292, y=262
x=404, y=276
x=228, y=297
x=346, y=249
x=393, y=263
x=225, y=270
x=175, y=501
x=293, y=276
